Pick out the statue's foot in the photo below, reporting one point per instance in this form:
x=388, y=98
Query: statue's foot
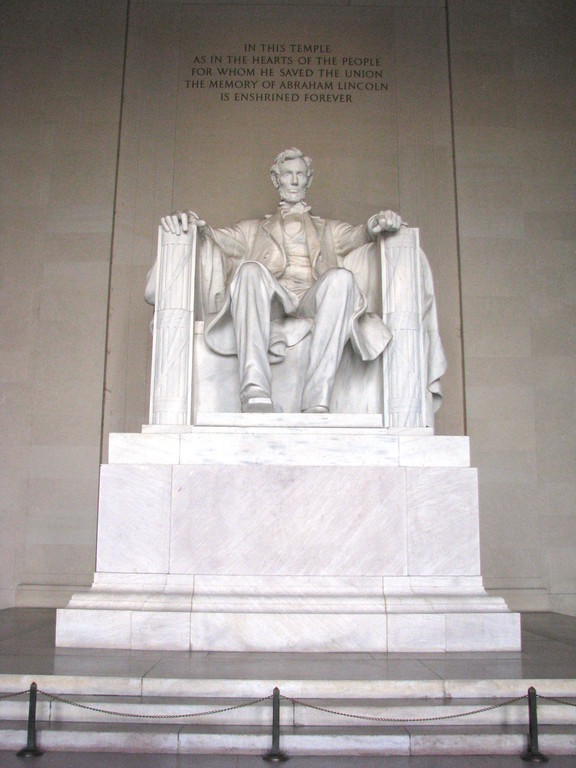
x=316, y=409
x=258, y=405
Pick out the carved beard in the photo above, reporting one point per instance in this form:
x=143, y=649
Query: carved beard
x=292, y=196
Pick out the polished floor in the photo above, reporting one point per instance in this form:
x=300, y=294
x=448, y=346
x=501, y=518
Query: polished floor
x=27, y=647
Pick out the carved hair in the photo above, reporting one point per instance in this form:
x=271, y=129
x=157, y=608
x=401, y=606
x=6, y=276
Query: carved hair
x=289, y=154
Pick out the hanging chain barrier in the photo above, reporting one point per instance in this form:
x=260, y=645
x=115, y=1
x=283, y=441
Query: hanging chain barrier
x=405, y=719
x=557, y=701
x=242, y=705
x=14, y=695
x=275, y=754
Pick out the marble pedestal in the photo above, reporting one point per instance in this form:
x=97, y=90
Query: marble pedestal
x=288, y=537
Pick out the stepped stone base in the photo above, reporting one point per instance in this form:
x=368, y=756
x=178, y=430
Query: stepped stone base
x=316, y=537
x=202, y=709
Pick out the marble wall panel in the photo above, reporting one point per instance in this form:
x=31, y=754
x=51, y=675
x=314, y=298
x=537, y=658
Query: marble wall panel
x=516, y=201
x=165, y=631
x=9, y=543
x=433, y=451
x=412, y=634
x=560, y=501
x=296, y=632
x=57, y=525
x=58, y=546
x=563, y=603
x=512, y=531
x=144, y=449
x=113, y=629
x=563, y=570
x=501, y=263
x=493, y=203
x=442, y=522
x=486, y=73
x=62, y=73
x=288, y=520
x=134, y=519
x=67, y=525
x=467, y=631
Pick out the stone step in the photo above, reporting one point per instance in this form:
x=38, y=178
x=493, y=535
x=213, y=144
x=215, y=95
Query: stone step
x=321, y=688
x=315, y=715
x=187, y=739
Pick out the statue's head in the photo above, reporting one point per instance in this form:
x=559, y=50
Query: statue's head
x=291, y=174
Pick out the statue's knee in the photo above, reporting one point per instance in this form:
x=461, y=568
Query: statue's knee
x=339, y=279
x=250, y=272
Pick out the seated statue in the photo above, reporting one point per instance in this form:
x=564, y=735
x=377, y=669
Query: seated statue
x=285, y=277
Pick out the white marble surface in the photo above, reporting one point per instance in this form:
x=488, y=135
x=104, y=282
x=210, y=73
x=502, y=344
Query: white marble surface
x=126, y=448
x=173, y=276
x=389, y=278
x=322, y=587
x=433, y=451
x=325, y=442
x=134, y=518
x=442, y=515
x=480, y=632
x=251, y=630
x=416, y=632
x=398, y=587
x=279, y=538
x=288, y=520
x=302, y=421
x=298, y=447
x=87, y=628
x=296, y=632
x=157, y=629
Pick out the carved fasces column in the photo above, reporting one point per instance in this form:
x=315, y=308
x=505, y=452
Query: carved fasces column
x=404, y=369
x=173, y=329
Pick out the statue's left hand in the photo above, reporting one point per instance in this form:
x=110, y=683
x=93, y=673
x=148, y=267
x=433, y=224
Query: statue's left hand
x=385, y=221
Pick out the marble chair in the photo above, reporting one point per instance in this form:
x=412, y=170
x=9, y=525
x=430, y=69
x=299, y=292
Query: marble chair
x=191, y=385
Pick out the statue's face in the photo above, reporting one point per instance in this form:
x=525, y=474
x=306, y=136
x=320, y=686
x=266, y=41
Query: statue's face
x=293, y=180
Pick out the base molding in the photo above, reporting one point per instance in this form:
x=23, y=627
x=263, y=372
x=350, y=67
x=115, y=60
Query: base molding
x=283, y=614
x=289, y=632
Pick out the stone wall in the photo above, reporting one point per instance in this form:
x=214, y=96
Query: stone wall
x=512, y=67
x=62, y=78
x=506, y=216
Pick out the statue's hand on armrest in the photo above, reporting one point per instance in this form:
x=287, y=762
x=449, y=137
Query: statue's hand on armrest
x=181, y=221
x=385, y=221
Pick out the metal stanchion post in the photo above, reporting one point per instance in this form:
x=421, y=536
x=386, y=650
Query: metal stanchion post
x=31, y=750
x=533, y=754
x=275, y=755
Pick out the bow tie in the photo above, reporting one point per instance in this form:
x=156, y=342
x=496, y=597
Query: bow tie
x=293, y=209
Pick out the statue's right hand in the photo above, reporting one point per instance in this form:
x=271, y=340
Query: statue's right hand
x=181, y=221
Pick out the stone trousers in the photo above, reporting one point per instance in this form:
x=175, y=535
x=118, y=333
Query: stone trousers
x=331, y=303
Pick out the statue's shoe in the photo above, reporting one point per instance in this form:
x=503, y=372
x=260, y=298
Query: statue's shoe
x=316, y=409
x=258, y=405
